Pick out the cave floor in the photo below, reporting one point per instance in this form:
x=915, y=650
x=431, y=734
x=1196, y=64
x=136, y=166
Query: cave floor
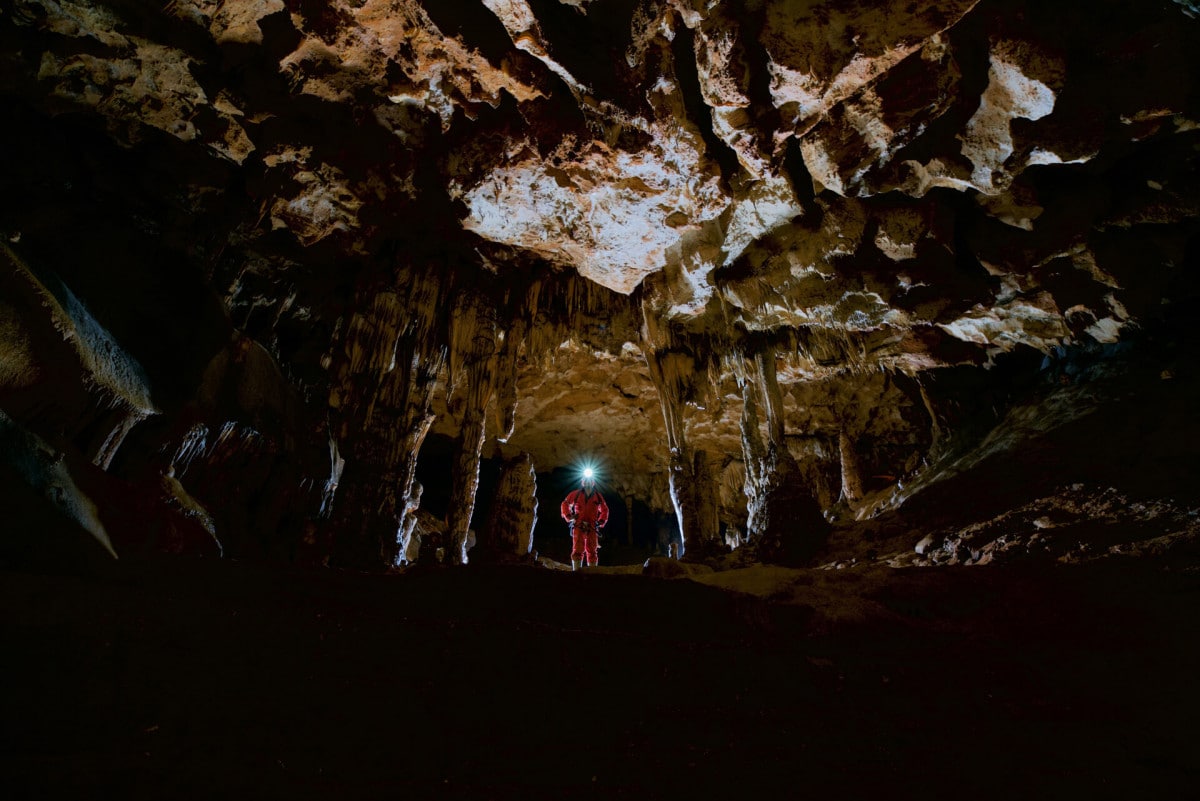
x=210, y=679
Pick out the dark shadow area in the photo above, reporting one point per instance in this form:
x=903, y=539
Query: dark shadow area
x=475, y=25
x=208, y=679
x=592, y=51
x=434, y=467
x=130, y=259
x=684, y=58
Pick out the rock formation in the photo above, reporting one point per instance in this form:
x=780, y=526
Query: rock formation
x=778, y=265
x=514, y=512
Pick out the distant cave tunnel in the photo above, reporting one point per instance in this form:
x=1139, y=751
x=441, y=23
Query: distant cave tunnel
x=634, y=531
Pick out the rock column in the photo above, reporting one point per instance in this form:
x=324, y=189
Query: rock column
x=852, y=486
x=386, y=372
x=473, y=336
x=784, y=522
x=514, y=511
x=694, y=492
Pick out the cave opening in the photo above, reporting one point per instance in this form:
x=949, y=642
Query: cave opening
x=630, y=537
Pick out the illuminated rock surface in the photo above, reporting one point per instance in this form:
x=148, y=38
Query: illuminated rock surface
x=724, y=250
x=303, y=238
x=362, y=284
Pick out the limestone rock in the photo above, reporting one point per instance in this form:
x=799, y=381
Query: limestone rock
x=748, y=256
x=514, y=511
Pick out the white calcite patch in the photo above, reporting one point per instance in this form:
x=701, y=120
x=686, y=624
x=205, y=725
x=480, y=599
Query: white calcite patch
x=611, y=214
x=987, y=140
x=822, y=166
x=325, y=204
x=896, y=251
x=1106, y=331
x=516, y=15
x=1041, y=156
x=1002, y=327
x=769, y=204
x=898, y=234
x=792, y=86
x=1010, y=95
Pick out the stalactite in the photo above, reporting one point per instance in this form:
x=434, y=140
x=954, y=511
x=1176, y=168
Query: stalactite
x=767, y=386
x=193, y=445
x=464, y=483
x=336, y=465
x=505, y=415
x=510, y=352
x=239, y=475
x=409, y=393
x=935, y=427
x=62, y=373
x=118, y=425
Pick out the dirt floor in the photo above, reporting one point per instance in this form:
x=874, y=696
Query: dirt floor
x=216, y=679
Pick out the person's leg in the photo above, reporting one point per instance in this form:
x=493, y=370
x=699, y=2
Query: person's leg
x=577, y=547
x=593, y=548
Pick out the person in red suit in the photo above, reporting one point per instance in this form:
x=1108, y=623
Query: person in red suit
x=586, y=512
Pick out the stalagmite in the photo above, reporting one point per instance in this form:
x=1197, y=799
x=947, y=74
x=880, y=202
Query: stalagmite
x=514, y=512
x=706, y=474
x=784, y=523
x=852, y=486
x=754, y=452
x=407, y=538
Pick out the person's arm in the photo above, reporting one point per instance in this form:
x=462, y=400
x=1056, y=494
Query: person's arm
x=601, y=513
x=566, y=509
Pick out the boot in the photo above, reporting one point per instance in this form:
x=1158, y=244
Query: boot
x=575, y=563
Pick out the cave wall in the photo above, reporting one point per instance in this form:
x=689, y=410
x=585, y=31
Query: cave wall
x=768, y=264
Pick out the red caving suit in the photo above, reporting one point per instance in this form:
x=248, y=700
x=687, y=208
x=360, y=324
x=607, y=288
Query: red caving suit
x=590, y=513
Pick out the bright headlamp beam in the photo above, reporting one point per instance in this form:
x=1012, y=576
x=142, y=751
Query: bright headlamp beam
x=588, y=472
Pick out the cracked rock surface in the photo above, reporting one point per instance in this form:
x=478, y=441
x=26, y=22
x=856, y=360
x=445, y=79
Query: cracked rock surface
x=756, y=251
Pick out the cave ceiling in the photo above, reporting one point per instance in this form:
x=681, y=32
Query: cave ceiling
x=569, y=227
